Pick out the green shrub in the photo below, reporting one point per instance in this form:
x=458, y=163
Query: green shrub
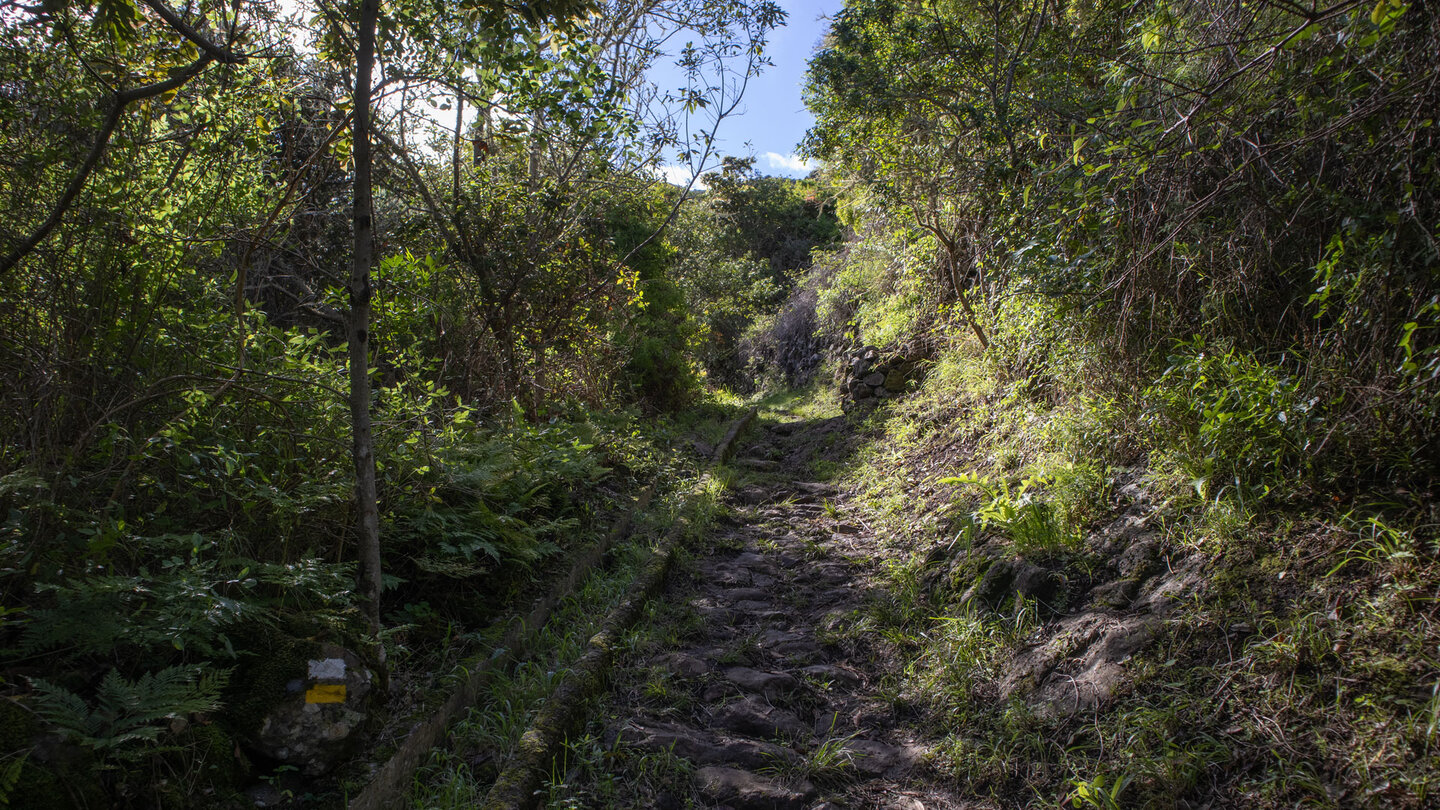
x=1236, y=423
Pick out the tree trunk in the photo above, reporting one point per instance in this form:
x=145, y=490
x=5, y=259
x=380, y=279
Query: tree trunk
x=358, y=329
x=965, y=304
x=455, y=158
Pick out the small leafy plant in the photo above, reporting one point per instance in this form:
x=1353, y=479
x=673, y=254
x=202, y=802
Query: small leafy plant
x=1099, y=792
x=1034, y=526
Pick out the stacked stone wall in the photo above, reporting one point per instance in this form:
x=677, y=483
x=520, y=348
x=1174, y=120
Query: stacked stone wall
x=872, y=375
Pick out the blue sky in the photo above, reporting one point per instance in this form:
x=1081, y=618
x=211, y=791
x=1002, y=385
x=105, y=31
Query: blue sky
x=772, y=119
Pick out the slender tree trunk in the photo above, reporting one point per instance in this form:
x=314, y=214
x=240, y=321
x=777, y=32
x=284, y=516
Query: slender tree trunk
x=455, y=158
x=965, y=304
x=358, y=328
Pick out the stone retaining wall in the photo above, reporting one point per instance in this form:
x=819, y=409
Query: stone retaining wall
x=872, y=375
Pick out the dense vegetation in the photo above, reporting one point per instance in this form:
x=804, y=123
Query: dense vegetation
x=1182, y=258
x=1217, y=222
x=250, y=260
x=201, y=248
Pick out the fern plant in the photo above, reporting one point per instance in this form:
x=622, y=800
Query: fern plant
x=125, y=716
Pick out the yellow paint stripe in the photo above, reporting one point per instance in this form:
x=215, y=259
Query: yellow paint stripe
x=325, y=693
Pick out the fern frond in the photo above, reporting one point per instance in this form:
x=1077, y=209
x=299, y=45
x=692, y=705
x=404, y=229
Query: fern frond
x=61, y=708
x=10, y=777
x=126, y=712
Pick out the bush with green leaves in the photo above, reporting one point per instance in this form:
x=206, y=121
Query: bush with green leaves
x=1247, y=183
x=498, y=504
x=1236, y=423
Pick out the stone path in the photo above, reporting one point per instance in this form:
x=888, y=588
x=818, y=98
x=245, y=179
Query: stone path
x=772, y=706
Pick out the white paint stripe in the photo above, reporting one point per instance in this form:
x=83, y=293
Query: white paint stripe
x=328, y=669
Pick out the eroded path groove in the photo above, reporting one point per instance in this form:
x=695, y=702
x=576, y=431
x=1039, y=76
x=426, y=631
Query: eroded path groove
x=762, y=688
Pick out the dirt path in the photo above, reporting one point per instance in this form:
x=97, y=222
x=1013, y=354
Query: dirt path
x=761, y=690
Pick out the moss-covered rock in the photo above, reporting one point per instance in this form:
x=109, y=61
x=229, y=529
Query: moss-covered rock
x=302, y=703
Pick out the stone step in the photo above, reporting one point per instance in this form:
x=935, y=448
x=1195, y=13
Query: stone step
x=701, y=747
x=772, y=685
x=743, y=790
x=752, y=716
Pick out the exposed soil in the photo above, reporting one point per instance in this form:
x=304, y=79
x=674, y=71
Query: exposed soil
x=772, y=706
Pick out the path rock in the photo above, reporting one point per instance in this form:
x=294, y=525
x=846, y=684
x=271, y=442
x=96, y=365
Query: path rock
x=1139, y=558
x=734, y=595
x=788, y=644
x=895, y=381
x=762, y=580
x=686, y=666
x=754, y=717
x=993, y=587
x=1039, y=584
x=770, y=684
x=1124, y=531
x=1167, y=591
x=788, y=560
x=314, y=724
x=814, y=488
x=752, y=495
x=1117, y=594
x=711, y=609
x=726, y=574
x=743, y=790
x=876, y=758
x=830, y=672
x=750, y=559
x=1005, y=579
x=1080, y=665
x=1100, y=671
x=1028, y=668
x=701, y=748
x=834, y=573
x=829, y=723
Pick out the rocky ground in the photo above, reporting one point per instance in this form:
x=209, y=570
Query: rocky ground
x=762, y=698
x=774, y=675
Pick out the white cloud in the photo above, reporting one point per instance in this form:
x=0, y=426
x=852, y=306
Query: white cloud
x=791, y=163
x=679, y=176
